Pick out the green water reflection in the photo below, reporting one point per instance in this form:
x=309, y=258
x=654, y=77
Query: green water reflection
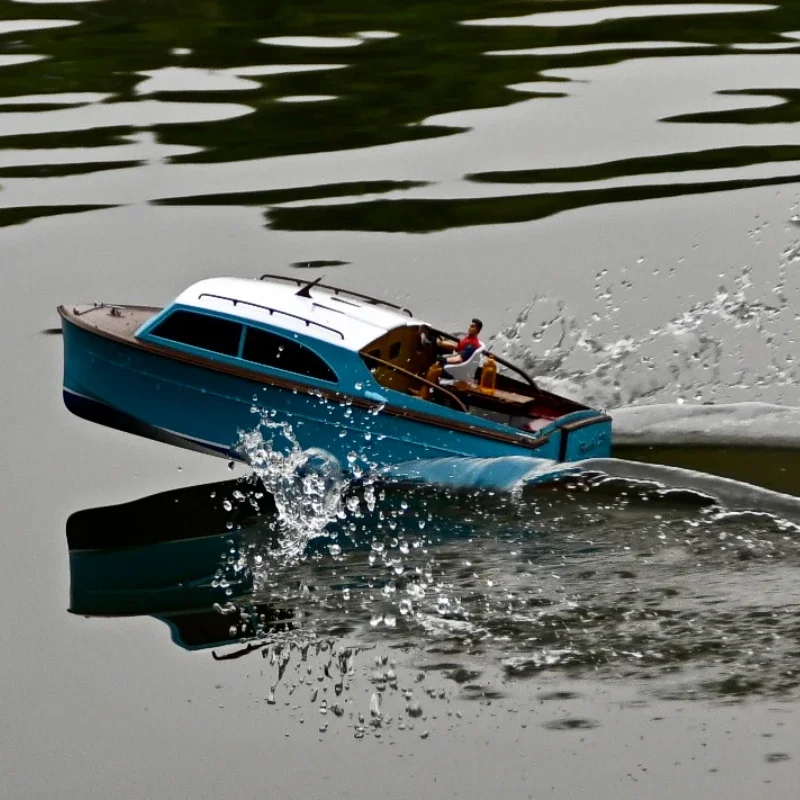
x=403, y=65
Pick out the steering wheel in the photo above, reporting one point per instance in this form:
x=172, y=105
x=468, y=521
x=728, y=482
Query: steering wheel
x=426, y=338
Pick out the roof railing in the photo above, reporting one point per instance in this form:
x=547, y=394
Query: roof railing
x=375, y=301
x=272, y=311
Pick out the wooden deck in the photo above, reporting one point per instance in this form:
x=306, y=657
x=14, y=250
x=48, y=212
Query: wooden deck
x=471, y=392
x=119, y=322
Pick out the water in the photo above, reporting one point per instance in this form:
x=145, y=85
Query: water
x=612, y=189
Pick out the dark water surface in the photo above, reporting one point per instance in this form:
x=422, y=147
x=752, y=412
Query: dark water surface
x=612, y=188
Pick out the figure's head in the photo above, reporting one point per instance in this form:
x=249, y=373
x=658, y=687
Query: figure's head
x=475, y=327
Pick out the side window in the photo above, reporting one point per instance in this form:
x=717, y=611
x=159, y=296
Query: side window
x=199, y=330
x=271, y=350
x=394, y=351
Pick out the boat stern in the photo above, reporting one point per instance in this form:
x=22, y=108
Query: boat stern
x=588, y=437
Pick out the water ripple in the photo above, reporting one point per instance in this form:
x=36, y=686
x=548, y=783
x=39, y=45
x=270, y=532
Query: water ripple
x=559, y=19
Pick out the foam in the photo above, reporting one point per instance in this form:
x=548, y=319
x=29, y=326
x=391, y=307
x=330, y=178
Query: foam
x=740, y=424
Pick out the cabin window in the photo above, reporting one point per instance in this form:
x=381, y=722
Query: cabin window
x=376, y=352
x=199, y=330
x=394, y=351
x=271, y=350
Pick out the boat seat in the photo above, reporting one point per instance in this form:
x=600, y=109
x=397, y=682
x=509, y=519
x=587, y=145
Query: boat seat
x=465, y=371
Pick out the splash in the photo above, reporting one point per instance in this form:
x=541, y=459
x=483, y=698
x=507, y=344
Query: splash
x=723, y=349
x=307, y=485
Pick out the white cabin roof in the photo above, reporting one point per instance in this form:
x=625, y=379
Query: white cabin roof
x=323, y=316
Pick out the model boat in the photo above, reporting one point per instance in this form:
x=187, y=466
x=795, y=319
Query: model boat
x=352, y=375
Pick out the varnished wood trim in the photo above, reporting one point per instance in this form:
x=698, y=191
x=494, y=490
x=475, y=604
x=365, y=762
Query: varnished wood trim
x=462, y=427
x=584, y=423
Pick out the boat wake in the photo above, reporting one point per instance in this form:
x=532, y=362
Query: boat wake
x=645, y=570
x=513, y=474
x=314, y=497
x=503, y=474
x=731, y=495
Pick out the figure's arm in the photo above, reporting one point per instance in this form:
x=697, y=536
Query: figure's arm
x=464, y=354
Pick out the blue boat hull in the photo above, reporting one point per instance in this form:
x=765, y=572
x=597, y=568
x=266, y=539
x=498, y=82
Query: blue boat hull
x=185, y=404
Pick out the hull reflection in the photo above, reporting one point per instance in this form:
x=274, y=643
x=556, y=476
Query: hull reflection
x=178, y=556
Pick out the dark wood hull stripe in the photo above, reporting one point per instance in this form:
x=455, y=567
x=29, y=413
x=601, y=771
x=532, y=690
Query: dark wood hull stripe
x=584, y=423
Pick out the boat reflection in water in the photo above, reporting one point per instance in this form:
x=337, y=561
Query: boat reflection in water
x=178, y=556
x=473, y=589
x=212, y=561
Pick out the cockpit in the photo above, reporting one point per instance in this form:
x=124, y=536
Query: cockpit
x=405, y=359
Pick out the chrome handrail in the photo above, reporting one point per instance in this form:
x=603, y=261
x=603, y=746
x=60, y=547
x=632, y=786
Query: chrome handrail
x=375, y=301
x=424, y=381
x=271, y=310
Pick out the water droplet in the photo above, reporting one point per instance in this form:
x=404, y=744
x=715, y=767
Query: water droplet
x=375, y=705
x=414, y=709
